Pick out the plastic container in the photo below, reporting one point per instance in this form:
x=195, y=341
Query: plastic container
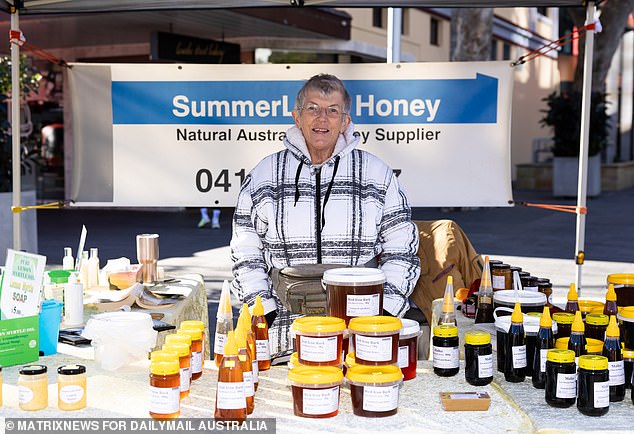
x=596, y=323
x=445, y=350
x=33, y=387
x=628, y=366
x=593, y=346
x=120, y=338
x=319, y=340
x=183, y=351
x=408, y=348
x=564, y=323
x=624, y=288
x=587, y=306
x=374, y=390
x=626, y=324
x=478, y=354
x=593, y=387
x=50, y=318
x=530, y=301
x=375, y=339
x=71, y=387
x=315, y=390
x=561, y=378
x=354, y=292
x=164, y=385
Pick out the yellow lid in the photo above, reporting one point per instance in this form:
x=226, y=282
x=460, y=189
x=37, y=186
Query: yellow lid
x=563, y=317
x=294, y=360
x=375, y=324
x=315, y=375
x=627, y=312
x=627, y=354
x=181, y=348
x=258, y=308
x=374, y=374
x=577, y=324
x=517, y=316
x=192, y=324
x=621, y=279
x=164, y=363
x=592, y=345
x=561, y=356
x=586, y=306
x=613, y=330
x=446, y=331
x=350, y=359
x=562, y=343
x=241, y=337
x=597, y=319
x=231, y=348
x=319, y=324
x=593, y=363
x=195, y=333
x=477, y=337
x=245, y=315
x=611, y=294
x=572, y=293
x=545, y=320
x=177, y=337
x=448, y=300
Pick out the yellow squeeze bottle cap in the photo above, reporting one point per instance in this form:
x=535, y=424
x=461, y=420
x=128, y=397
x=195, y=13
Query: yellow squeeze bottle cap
x=258, y=308
x=447, y=304
x=231, y=347
x=577, y=323
x=546, y=320
x=572, y=293
x=241, y=337
x=611, y=295
x=517, y=316
x=486, y=274
x=224, y=306
x=613, y=330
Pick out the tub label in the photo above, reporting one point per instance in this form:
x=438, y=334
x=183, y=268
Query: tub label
x=262, y=349
x=230, y=396
x=380, y=398
x=247, y=379
x=24, y=394
x=373, y=349
x=219, y=343
x=519, y=356
x=362, y=305
x=197, y=362
x=318, y=349
x=446, y=357
x=531, y=288
x=485, y=366
x=601, y=394
x=164, y=400
x=321, y=401
x=498, y=282
x=566, y=385
x=617, y=373
x=71, y=394
x=543, y=356
x=185, y=376
x=403, y=357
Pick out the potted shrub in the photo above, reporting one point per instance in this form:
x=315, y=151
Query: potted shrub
x=563, y=115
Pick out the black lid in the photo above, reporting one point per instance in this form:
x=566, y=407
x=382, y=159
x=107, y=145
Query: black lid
x=529, y=280
x=500, y=266
x=516, y=268
x=71, y=369
x=524, y=274
x=494, y=261
x=33, y=369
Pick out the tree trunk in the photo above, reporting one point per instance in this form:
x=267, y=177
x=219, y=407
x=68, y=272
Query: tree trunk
x=471, y=30
x=614, y=15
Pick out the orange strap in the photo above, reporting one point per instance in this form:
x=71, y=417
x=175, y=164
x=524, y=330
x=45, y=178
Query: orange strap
x=17, y=37
x=565, y=208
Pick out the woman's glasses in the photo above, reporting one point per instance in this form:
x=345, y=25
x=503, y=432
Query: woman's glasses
x=314, y=110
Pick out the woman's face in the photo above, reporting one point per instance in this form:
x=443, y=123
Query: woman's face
x=321, y=120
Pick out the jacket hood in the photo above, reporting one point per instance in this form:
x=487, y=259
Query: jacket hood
x=296, y=143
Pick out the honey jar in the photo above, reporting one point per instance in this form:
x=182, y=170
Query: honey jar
x=319, y=340
x=71, y=387
x=375, y=339
x=501, y=276
x=33, y=387
x=315, y=390
x=374, y=390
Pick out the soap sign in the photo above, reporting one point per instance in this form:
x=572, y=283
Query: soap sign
x=21, y=284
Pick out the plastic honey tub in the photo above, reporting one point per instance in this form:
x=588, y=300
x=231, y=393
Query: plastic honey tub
x=319, y=340
x=375, y=339
x=315, y=390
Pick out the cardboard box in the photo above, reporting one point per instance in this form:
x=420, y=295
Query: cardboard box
x=465, y=401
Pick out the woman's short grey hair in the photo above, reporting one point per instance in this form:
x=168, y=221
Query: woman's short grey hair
x=326, y=85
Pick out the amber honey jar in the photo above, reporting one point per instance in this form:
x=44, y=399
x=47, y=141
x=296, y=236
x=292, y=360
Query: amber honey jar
x=564, y=323
x=501, y=276
x=319, y=340
x=164, y=385
x=354, y=292
x=315, y=390
x=408, y=348
x=375, y=339
x=184, y=360
x=596, y=324
x=374, y=390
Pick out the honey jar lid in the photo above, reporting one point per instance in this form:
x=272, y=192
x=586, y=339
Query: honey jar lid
x=163, y=355
x=350, y=360
x=33, y=369
x=315, y=375
x=194, y=333
x=621, y=279
x=71, y=370
x=593, y=363
x=594, y=346
x=178, y=337
x=374, y=374
x=562, y=343
x=627, y=354
x=180, y=348
x=563, y=317
x=597, y=319
x=586, y=306
x=499, y=266
x=294, y=360
x=164, y=362
x=375, y=324
x=446, y=331
x=192, y=323
x=477, y=337
x=561, y=356
x=626, y=314
x=319, y=324
x=354, y=276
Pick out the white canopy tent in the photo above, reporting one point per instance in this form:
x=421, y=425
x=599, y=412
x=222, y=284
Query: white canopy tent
x=33, y=7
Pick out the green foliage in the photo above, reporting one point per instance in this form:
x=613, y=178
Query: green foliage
x=29, y=77
x=563, y=115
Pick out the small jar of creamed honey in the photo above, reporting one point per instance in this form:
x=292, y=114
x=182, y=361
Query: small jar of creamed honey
x=71, y=387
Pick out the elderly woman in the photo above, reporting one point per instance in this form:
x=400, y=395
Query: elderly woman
x=321, y=200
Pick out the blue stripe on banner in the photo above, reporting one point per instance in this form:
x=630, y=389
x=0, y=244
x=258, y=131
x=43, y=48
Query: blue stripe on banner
x=447, y=101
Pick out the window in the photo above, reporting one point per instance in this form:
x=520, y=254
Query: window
x=542, y=11
x=506, y=51
x=377, y=17
x=494, y=50
x=434, y=29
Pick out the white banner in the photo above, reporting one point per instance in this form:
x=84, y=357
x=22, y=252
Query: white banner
x=186, y=135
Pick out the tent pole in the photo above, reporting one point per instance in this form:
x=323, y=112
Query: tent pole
x=394, y=24
x=15, y=131
x=583, y=146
